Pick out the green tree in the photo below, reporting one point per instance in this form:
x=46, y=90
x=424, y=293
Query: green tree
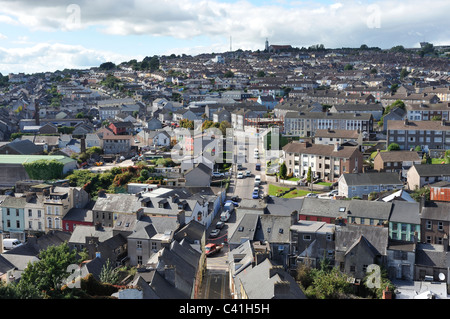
x=348, y=67
x=261, y=74
x=283, y=170
x=108, y=274
x=403, y=74
x=50, y=272
x=107, y=66
x=309, y=175
x=229, y=74
x=393, y=147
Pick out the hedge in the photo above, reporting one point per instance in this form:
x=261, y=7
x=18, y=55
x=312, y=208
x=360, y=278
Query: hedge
x=44, y=169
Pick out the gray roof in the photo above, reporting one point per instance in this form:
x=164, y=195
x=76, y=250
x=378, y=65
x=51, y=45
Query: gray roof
x=25, y=147
x=120, y=203
x=275, y=229
x=370, y=209
x=356, y=179
x=432, y=255
x=405, y=212
x=433, y=169
x=283, y=206
x=82, y=231
x=436, y=211
x=347, y=236
x=325, y=207
x=259, y=283
x=245, y=229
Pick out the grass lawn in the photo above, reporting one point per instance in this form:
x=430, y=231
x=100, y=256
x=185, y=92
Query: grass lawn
x=437, y=161
x=273, y=190
x=324, y=183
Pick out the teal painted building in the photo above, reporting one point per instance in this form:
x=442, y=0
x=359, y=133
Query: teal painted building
x=404, y=223
x=13, y=217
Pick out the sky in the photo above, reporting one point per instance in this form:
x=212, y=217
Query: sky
x=50, y=35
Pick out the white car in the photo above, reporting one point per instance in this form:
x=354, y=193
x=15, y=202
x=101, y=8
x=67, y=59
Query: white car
x=240, y=175
x=334, y=192
x=217, y=174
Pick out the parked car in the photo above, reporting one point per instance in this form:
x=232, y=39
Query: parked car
x=258, y=166
x=235, y=198
x=240, y=175
x=217, y=174
x=248, y=173
x=312, y=195
x=333, y=193
x=220, y=225
x=214, y=233
x=255, y=194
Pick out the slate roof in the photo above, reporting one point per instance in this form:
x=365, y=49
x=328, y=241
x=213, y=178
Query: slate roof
x=325, y=207
x=433, y=169
x=282, y=206
x=405, y=212
x=370, y=209
x=274, y=229
x=418, y=125
x=245, y=229
x=436, y=211
x=258, y=284
x=346, y=236
x=24, y=147
x=119, y=203
x=432, y=255
x=382, y=178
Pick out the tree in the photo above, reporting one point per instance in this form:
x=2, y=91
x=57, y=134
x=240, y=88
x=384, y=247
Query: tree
x=309, y=175
x=49, y=274
x=261, y=74
x=229, y=74
x=393, y=147
x=283, y=170
x=108, y=274
x=348, y=67
x=106, y=66
x=403, y=74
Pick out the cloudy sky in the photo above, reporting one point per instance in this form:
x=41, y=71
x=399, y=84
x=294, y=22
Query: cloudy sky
x=49, y=35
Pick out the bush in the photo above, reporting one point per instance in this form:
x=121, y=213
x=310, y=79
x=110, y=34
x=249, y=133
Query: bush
x=44, y=169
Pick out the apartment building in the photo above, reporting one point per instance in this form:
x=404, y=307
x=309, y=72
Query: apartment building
x=306, y=124
x=327, y=162
x=432, y=136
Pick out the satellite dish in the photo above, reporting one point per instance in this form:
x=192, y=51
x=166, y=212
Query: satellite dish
x=441, y=277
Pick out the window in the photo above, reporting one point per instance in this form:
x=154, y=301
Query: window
x=429, y=224
x=362, y=220
x=440, y=226
x=139, y=244
x=39, y=213
x=428, y=239
x=30, y=213
x=49, y=222
x=352, y=268
x=39, y=225
x=49, y=210
x=154, y=246
x=57, y=209
x=139, y=260
x=329, y=237
x=307, y=237
x=30, y=225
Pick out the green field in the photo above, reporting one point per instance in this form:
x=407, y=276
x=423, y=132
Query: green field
x=273, y=190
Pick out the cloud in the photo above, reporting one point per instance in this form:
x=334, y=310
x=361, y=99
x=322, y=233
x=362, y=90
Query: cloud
x=44, y=57
x=342, y=23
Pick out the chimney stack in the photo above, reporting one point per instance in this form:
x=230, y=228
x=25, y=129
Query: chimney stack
x=281, y=289
x=170, y=274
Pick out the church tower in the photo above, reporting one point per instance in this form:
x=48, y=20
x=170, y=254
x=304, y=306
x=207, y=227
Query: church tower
x=267, y=46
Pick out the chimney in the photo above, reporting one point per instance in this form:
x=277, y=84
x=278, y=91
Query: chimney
x=281, y=289
x=275, y=270
x=260, y=257
x=170, y=274
x=406, y=121
x=387, y=294
x=337, y=147
x=294, y=217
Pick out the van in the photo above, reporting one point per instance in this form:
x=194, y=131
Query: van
x=10, y=243
x=224, y=216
